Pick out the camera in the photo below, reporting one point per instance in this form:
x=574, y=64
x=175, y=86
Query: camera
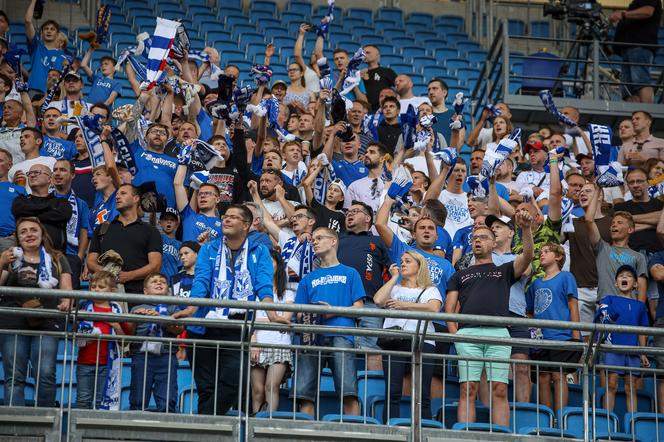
x=586, y=13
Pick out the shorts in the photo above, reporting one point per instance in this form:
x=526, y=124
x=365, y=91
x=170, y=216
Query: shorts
x=442, y=348
x=555, y=355
x=658, y=341
x=587, y=306
x=368, y=342
x=271, y=356
x=307, y=371
x=471, y=371
x=519, y=332
x=636, y=74
x=623, y=360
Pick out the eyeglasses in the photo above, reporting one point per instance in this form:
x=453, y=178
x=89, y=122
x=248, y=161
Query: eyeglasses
x=483, y=237
x=233, y=218
x=159, y=132
x=206, y=194
x=633, y=182
x=294, y=70
x=355, y=212
x=298, y=216
x=35, y=173
x=321, y=237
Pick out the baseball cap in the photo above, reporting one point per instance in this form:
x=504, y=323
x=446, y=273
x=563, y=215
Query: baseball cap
x=535, y=144
x=340, y=184
x=279, y=82
x=582, y=156
x=193, y=245
x=626, y=268
x=72, y=74
x=503, y=219
x=170, y=211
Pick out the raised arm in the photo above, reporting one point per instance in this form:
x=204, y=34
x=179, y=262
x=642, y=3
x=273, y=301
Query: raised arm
x=109, y=158
x=280, y=194
x=589, y=217
x=29, y=111
x=299, y=44
x=474, y=133
x=181, y=199
x=85, y=63
x=437, y=184
x=133, y=82
x=308, y=183
x=29, y=27
x=269, y=224
x=261, y=136
x=525, y=221
x=555, y=189
x=382, y=218
x=319, y=119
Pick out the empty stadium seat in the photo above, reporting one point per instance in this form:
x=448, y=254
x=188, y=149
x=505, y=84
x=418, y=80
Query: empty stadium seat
x=530, y=415
x=302, y=8
x=648, y=426
x=350, y=419
x=452, y=20
x=485, y=428
x=420, y=18
x=571, y=419
x=549, y=432
x=377, y=406
x=264, y=5
x=394, y=15
x=284, y=415
x=364, y=14
x=447, y=414
x=407, y=422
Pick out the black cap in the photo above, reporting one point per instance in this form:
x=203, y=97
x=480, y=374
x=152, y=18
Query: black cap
x=626, y=268
x=170, y=211
x=489, y=220
x=193, y=245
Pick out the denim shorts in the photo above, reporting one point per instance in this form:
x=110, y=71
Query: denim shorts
x=636, y=74
x=307, y=371
x=368, y=342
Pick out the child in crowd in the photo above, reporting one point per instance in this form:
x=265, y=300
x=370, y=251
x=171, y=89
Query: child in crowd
x=169, y=222
x=623, y=309
x=105, y=89
x=92, y=365
x=554, y=296
x=155, y=360
x=270, y=365
x=182, y=282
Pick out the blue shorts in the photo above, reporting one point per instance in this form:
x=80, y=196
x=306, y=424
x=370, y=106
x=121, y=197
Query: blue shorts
x=368, y=342
x=623, y=360
x=636, y=74
x=307, y=371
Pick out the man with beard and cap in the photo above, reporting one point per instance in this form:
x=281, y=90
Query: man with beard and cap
x=370, y=188
x=72, y=104
x=12, y=124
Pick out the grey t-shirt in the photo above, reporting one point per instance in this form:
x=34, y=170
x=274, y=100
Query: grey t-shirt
x=146, y=329
x=609, y=259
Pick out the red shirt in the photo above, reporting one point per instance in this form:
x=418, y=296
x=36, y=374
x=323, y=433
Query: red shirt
x=88, y=355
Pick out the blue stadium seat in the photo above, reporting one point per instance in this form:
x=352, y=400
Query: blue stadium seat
x=456, y=63
x=401, y=68
x=394, y=15
x=466, y=46
x=648, y=426
x=413, y=51
x=420, y=18
x=265, y=23
x=447, y=414
x=275, y=31
x=264, y=5
x=142, y=23
x=603, y=435
x=62, y=395
x=232, y=20
x=289, y=17
x=284, y=415
x=370, y=383
x=530, y=415
x=283, y=42
x=407, y=422
x=120, y=40
x=516, y=27
x=350, y=419
x=352, y=22
x=381, y=23
x=421, y=61
x=170, y=9
x=229, y=10
x=452, y=20
x=571, y=419
x=228, y=55
x=549, y=432
x=389, y=59
x=377, y=405
x=215, y=37
x=644, y=401
x=302, y=8
x=361, y=13
x=443, y=54
x=257, y=16
x=394, y=32
x=251, y=37
x=188, y=401
x=255, y=52
x=322, y=10
x=454, y=37
x=385, y=48
x=476, y=56
x=241, y=29
x=361, y=30
x=540, y=28
x=485, y=428
x=433, y=71
x=371, y=39
x=237, y=4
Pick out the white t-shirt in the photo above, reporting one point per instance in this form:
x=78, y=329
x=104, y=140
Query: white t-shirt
x=277, y=212
x=361, y=190
x=10, y=141
x=533, y=179
x=410, y=295
x=273, y=336
x=458, y=215
x=415, y=101
x=27, y=164
x=311, y=80
x=485, y=136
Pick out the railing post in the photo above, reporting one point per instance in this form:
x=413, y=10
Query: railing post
x=595, y=69
x=506, y=58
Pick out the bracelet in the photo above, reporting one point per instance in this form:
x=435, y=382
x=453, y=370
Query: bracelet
x=553, y=161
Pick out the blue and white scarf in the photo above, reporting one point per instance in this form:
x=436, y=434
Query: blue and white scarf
x=231, y=280
x=50, y=95
x=121, y=145
x=408, y=127
x=206, y=154
x=496, y=154
x=607, y=170
x=323, y=179
x=110, y=397
x=303, y=253
x=90, y=129
x=162, y=41
x=72, y=224
x=326, y=20
x=46, y=279
x=547, y=99
x=352, y=78
x=204, y=57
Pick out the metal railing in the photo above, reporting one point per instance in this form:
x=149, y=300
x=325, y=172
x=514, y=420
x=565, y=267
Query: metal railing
x=587, y=368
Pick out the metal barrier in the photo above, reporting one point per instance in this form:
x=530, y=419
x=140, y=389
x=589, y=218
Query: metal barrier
x=588, y=422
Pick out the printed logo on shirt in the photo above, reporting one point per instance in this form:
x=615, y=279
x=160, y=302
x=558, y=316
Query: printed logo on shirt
x=456, y=212
x=156, y=161
x=224, y=183
x=170, y=249
x=328, y=279
x=102, y=215
x=102, y=83
x=435, y=271
x=543, y=300
x=334, y=225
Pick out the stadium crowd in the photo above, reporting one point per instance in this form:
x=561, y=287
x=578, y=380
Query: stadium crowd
x=339, y=187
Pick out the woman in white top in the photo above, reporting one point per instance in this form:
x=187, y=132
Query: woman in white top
x=269, y=365
x=415, y=292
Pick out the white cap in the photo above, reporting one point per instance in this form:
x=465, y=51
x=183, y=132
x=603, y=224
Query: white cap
x=340, y=184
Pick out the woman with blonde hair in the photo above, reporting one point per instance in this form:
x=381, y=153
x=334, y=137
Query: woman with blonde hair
x=35, y=264
x=409, y=288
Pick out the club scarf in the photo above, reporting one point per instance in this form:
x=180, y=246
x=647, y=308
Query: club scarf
x=231, y=280
x=206, y=154
x=607, y=170
x=72, y=224
x=547, y=100
x=46, y=279
x=162, y=41
x=303, y=252
x=50, y=95
x=204, y=57
x=352, y=78
x=110, y=398
x=121, y=145
x=323, y=180
x=88, y=127
x=298, y=175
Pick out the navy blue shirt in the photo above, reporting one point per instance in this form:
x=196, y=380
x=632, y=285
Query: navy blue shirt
x=367, y=254
x=82, y=212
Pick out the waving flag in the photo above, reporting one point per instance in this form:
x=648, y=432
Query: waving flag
x=162, y=41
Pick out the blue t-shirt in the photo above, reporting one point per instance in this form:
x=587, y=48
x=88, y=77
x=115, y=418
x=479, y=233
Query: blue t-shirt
x=339, y=286
x=631, y=312
x=501, y=190
x=440, y=269
x=349, y=172
x=548, y=299
x=83, y=222
x=102, y=87
x=8, y=192
x=157, y=167
x=181, y=284
x=103, y=210
x=463, y=239
x=205, y=123
x=170, y=257
x=58, y=148
x=42, y=59
x=658, y=258
x=193, y=224
x=444, y=242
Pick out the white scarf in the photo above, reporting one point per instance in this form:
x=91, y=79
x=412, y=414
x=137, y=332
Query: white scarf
x=232, y=284
x=46, y=279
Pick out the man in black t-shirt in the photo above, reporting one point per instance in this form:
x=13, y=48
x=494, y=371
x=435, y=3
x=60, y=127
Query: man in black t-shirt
x=638, y=25
x=376, y=77
x=484, y=289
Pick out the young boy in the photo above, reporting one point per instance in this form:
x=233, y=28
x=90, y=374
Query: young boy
x=104, y=88
x=154, y=359
x=169, y=222
x=92, y=364
x=554, y=296
x=623, y=309
x=182, y=282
